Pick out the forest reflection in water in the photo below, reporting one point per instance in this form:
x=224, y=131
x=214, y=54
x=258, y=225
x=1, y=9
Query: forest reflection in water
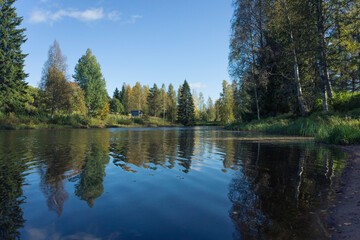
x=213, y=183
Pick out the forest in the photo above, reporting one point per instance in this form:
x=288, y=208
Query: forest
x=294, y=67
x=82, y=99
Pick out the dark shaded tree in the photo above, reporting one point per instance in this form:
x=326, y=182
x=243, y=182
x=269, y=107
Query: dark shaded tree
x=12, y=75
x=186, y=109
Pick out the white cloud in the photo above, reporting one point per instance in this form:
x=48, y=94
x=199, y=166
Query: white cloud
x=89, y=15
x=40, y=16
x=198, y=85
x=133, y=19
x=114, y=15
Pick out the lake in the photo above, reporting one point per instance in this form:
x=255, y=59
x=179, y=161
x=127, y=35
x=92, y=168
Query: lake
x=164, y=183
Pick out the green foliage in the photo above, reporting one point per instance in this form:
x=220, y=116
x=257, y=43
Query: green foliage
x=116, y=106
x=226, y=104
x=186, y=109
x=77, y=100
x=345, y=101
x=12, y=76
x=154, y=101
x=57, y=90
x=171, y=107
x=90, y=79
x=332, y=129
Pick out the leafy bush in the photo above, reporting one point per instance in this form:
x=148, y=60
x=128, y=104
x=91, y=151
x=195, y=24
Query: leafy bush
x=345, y=101
x=138, y=121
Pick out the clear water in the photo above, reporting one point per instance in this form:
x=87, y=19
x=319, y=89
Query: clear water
x=169, y=183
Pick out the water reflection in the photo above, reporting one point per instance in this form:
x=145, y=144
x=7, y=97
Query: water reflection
x=12, y=178
x=133, y=150
x=273, y=198
x=265, y=190
x=90, y=180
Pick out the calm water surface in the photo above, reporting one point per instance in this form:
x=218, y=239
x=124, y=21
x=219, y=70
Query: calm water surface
x=170, y=183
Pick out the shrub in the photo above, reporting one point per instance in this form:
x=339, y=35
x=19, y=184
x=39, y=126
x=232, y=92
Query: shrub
x=345, y=101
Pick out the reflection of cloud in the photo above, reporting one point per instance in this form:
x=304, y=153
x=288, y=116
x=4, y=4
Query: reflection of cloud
x=198, y=85
x=41, y=234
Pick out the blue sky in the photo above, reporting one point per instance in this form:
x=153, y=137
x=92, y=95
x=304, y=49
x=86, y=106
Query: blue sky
x=150, y=41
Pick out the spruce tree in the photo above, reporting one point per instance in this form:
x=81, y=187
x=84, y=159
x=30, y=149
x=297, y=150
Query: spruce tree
x=154, y=101
x=186, y=109
x=117, y=94
x=12, y=76
x=88, y=75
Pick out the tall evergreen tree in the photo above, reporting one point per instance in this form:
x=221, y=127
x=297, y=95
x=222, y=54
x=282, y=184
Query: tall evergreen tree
x=172, y=107
x=163, y=100
x=154, y=101
x=186, y=108
x=12, y=76
x=117, y=94
x=88, y=75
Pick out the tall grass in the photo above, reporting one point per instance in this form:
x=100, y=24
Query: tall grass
x=331, y=129
x=12, y=121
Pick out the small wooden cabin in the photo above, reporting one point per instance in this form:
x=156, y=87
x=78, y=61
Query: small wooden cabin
x=136, y=113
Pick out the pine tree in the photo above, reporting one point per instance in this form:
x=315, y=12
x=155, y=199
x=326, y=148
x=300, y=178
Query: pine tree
x=186, y=109
x=12, y=76
x=88, y=75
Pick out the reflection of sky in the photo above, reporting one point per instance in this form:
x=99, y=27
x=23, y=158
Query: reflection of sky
x=227, y=182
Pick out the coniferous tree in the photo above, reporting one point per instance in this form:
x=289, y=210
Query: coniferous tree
x=12, y=76
x=88, y=75
x=117, y=94
x=186, y=108
x=163, y=101
x=154, y=101
x=172, y=107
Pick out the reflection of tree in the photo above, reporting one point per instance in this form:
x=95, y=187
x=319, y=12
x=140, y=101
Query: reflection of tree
x=57, y=161
x=12, y=177
x=186, y=148
x=144, y=149
x=277, y=187
x=62, y=156
x=90, y=185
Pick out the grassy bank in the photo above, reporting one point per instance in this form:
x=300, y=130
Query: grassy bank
x=12, y=122
x=334, y=128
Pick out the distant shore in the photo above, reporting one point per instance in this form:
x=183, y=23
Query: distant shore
x=22, y=122
x=344, y=215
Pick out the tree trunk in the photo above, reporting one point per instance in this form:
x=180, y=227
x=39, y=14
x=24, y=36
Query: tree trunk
x=321, y=55
x=254, y=81
x=295, y=65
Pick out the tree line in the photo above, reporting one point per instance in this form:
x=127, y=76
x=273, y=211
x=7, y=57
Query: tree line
x=291, y=56
x=86, y=95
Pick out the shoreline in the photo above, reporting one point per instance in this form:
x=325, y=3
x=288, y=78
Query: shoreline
x=58, y=126
x=344, y=214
